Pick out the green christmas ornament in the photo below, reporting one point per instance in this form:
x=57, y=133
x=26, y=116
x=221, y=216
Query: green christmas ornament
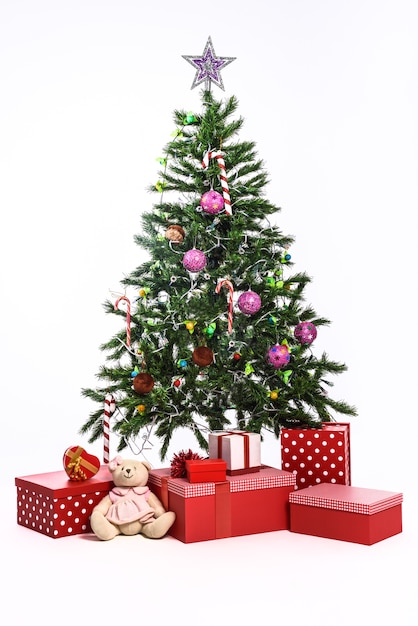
x=210, y=330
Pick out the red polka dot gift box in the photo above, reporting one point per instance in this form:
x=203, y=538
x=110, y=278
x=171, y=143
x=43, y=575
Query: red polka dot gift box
x=347, y=513
x=243, y=504
x=56, y=506
x=317, y=455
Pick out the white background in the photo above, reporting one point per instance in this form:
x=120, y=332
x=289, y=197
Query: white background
x=329, y=91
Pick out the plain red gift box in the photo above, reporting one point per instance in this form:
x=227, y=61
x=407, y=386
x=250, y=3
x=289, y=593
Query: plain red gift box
x=206, y=470
x=242, y=505
x=317, y=455
x=55, y=506
x=346, y=513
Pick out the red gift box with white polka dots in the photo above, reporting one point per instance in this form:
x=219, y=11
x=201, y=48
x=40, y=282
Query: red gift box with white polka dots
x=56, y=506
x=317, y=455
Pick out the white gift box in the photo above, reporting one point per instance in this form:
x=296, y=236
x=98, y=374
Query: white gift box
x=240, y=450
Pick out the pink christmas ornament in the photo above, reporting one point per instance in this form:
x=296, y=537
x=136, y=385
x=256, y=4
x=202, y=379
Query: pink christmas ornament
x=249, y=302
x=278, y=356
x=305, y=332
x=212, y=202
x=194, y=260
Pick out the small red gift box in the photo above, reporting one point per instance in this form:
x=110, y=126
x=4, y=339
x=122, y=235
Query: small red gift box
x=240, y=450
x=242, y=505
x=346, y=513
x=317, y=455
x=56, y=506
x=206, y=470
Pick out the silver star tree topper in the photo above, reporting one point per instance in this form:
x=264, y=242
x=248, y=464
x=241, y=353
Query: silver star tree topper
x=208, y=66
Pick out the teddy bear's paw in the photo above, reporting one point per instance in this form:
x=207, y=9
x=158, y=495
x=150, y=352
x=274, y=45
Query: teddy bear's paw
x=102, y=528
x=159, y=527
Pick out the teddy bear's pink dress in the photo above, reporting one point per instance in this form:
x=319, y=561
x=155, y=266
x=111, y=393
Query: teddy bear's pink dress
x=130, y=504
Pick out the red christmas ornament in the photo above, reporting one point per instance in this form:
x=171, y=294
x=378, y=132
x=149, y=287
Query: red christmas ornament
x=178, y=462
x=202, y=356
x=143, y=383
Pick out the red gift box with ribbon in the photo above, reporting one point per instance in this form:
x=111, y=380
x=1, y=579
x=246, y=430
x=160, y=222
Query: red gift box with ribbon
x=56, y=506
x=317, y=455
x=244, y=504
x=240, y=450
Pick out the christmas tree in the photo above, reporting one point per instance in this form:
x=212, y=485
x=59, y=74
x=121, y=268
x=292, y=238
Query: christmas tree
x=219, y=325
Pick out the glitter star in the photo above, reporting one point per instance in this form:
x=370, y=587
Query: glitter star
x=208, y=66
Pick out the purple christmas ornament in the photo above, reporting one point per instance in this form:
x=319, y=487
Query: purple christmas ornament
x=194, y=260
x=278, y=356
x=249, y=302
x=305, y=332
x=212, y=202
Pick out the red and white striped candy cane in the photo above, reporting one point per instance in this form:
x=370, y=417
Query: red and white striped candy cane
x=229, y=285
x=128, y=318
x=109, y=408
x=218, y=155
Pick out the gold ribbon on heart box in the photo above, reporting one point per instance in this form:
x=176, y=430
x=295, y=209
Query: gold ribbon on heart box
x=79, y=464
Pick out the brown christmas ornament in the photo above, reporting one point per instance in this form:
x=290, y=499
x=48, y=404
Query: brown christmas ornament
x=202, y=356
x=143, y=383
x=175, y=233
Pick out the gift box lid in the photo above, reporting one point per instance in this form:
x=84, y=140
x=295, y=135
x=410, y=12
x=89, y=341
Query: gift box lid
x=335, y=426
x=57, y=484
x=346, y=498
x=331, y=426
x=205, y=465
x=266, y=478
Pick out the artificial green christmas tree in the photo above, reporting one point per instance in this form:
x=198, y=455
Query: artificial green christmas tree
x=219, y=321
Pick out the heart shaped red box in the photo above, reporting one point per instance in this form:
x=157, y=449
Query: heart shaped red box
x=79, y=464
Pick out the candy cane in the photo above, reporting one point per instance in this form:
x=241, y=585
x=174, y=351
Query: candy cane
x=128, y=318
x=228, y=284
x=109, y=408
x=218, y=155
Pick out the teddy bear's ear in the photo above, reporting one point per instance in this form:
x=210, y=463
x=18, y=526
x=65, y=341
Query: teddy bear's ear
x=115, y=462
x=146, y=464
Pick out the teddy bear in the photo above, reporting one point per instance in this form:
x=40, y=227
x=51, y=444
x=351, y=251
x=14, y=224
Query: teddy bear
x=130, y=508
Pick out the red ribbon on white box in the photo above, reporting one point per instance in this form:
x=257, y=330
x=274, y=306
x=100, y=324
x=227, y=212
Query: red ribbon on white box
x=246, y=445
